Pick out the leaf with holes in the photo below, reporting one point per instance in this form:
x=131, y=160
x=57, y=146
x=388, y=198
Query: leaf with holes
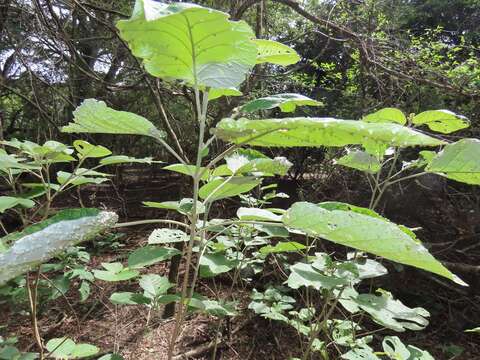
x=269, y=51
x=165, y=236
x=442, y=121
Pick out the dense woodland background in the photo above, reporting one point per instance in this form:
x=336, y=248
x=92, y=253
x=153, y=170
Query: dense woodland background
x=357, y=56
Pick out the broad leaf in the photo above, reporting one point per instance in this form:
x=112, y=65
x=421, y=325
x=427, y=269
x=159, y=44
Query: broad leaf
x=442, y=121
x=269, y=51
x=186, y=170
x=217, y=93
x=459, y=161
x=165, y=236
x=8, y=202
x=64, y=348
x=303, y=274
x=319, y=132
x=81, y=177
x=286, y=103
x=115, y=272
x=385, y=310
x=190, y=43
x=154, y=285
x=86, y=150
x=245, y=161
x=214, y=264
x=364, y=232
x=94, y=116
x=257, y=214
x=360, y=160
x=222, y=188
x=386, y=115
x=289, y=246
x=396, y=350
x=129, y=298
x=149, y=255
x=123, y=159
x=43, y=241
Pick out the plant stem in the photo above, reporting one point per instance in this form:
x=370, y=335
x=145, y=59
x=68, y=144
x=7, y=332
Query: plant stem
x=32, y=288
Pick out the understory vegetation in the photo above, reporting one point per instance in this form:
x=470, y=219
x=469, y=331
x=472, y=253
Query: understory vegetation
x=267, y=179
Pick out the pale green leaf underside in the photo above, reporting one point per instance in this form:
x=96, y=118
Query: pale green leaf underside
x=269, y=51
x=442, y=121
x=222, y=188
x=313, y=132
x=459, y=161
x=166, y=235
x=360, y=160
x=190, y=43
x=386, y=115
x=124, y=159
x=286, y=103
x=94, y=116
x=366, y=233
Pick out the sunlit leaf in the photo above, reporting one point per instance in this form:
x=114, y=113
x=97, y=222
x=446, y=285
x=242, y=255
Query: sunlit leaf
x=442, y=121
x=386, y=115
x=123, y=159
x=360, y=160
x=286, y=103
x=364, y=232
x=307, y=132
x=86, y=150
x=115, y=272
x=269, y=51
x=257, y=214
x=289, y=246
x=8, y=202
x=190, y=43
x=222, y=188
x=217, y=93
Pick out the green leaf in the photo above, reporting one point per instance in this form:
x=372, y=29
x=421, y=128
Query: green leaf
x=166, y=236
x=303, y=274
x=86, y=150
x=360, y=160
x=154, y=285
x=459, y=161
x=385, y=310
x=442, y=121
x=111, y=357
x=169, y=205
x=186, y=170
x=286, y=103
x=64, y=348
x=149, y=255
x=214, y=264
x=40, y=242
x=217, y=93
x=364, y=232
x=221, y=188
x=190, y=43
x=256, y=214
x=386, y=115
x=64, y=177
x=84, y=291
x=94, y=116
x=129, y=298
x=8, y=202
x=115, y=272
x=474, y=330
x=269, y=51
x=364, y=352
x=123, y=159
x=300, y=131
x=290, y=246
x=245, y=161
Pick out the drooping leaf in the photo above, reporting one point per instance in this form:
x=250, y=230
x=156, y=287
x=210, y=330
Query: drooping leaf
x=386, y=115
x=86, y=150
x=64, y=348
x=286, y=103
x=269, y=51
x=190, y=43
x=129, y=298
x=94, y=116
x=222, y=188
x=8, y=202
x=257, y=214
x=360, y=160
x=307, y=132
x=214, y=264
x=459, y=161
x=149, y=255
x=123, y=159
x=115, y=272
x=40, y=242
x=166, y=236
x=364, y=232
x=282, y=246
x=442, y=121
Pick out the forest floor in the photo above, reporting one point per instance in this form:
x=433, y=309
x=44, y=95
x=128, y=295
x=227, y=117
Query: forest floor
x=138, y=335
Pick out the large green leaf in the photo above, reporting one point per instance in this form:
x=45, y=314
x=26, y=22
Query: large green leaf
x=94, y=116
x=386, y=115
x=41, y=242
x=364, y=232
x=442, y=121
x=187, y=42
x=286, y=103
x=459, y=161
x=87, y=150
x=8, y=202
x=319, y=132
x=149, y=255
x=275, y=53
x=64, y=348
x=222, y=188
x=360, y=160
x=214, y=264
